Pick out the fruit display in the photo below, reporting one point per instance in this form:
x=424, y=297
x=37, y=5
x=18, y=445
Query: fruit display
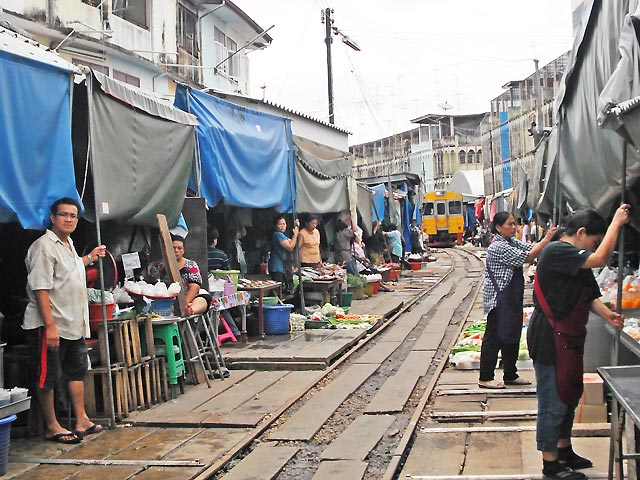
x=246, y=283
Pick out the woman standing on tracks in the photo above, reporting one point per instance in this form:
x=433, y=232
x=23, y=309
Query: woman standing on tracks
x=502, y=296
x=565, y=293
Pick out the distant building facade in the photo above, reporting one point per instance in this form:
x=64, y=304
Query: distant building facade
x=450, y=143
x=150, y=45
x=510, y=130
x=386, y=156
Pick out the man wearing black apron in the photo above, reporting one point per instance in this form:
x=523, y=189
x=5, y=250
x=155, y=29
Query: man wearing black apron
x=502, y=296
x=565, y=292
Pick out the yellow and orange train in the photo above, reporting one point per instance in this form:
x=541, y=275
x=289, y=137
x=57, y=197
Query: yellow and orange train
x=443, y=218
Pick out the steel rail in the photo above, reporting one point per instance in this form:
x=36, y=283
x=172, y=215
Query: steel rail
x=223, y=461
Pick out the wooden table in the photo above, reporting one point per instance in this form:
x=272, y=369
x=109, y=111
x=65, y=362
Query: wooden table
x=260, y=291
x=327, y=287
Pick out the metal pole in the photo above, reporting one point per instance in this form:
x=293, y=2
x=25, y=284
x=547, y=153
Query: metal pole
x=615, y=456
x=328, y=40
x=557, y=195
x=623, y=197
x=100, y=265
x=294, y=205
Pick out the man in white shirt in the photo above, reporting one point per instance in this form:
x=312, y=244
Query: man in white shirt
x=57, y=319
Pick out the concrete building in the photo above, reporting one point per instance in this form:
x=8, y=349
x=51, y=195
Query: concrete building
x=385, y=156
x=512, y=128
x=450, y=143
x=148, y=44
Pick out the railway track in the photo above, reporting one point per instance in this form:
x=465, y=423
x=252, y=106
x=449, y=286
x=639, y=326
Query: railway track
x=359, y=419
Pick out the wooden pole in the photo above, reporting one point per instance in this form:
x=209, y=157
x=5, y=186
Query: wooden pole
x=166, y=246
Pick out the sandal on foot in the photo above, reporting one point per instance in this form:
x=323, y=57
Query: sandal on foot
x=517, y=381
x=67, y=438
x=576, y=462
x=565, y=474
x=95, y=428
x=491, y=384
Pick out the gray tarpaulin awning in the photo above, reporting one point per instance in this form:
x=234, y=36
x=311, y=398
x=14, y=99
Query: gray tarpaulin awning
x=470, y=183
x=601, y=67
x=322, y=175
x=142, y=153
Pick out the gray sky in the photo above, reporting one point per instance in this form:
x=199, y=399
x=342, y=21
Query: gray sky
x=416, y=54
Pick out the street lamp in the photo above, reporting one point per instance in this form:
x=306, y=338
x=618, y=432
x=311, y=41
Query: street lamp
x=329, y=29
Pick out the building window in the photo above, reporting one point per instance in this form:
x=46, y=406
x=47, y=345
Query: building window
x=187, y=31
x=479, y=156
x=93, y=3
x=126, y=78
x=462, y=157
x=134, y=11
x=226, y=47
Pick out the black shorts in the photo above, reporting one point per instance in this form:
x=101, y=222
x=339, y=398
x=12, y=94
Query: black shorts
x=48, y=366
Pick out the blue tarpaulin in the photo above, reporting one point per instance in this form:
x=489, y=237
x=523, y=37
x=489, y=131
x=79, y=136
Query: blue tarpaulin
x=378, y=202
x=36, y=157
x=246, y=156
x=406, y=219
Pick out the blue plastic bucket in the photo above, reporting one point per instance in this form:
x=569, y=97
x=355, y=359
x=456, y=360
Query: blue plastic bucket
x=276, y=318
x=5, y=434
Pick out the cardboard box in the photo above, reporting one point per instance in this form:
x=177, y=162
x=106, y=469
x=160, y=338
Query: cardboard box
x=591, y=413
x=593, y=389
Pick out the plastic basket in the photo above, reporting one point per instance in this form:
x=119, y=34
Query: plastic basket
x=415, y=265
x=234, y=275
x=95, y=314
x=276, y=319
x=271, y=301
x=5, y=434
x=163, y=307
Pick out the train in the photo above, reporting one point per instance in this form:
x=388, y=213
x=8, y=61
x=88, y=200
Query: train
x=443, y=218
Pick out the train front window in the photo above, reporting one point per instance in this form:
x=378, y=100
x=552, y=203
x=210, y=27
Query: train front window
x=440, y=208
x=427, y=208
x=455, y=208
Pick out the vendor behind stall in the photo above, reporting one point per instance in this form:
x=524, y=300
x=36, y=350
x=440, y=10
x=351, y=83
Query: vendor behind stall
x=280, y=245
x=216, y=258
x=309, y=243
x=343, y=245
x=198, y=300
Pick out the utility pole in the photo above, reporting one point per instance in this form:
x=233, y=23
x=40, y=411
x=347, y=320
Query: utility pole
x=329, y=29
x=328, y=39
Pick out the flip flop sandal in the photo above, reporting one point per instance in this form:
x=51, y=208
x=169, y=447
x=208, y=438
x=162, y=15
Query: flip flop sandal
x=576, y=462
x=60, y=438
x=492, y=384
x=565, y=474
x=89, y=431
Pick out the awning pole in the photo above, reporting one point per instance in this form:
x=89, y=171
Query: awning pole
x=105, y=331
x=294, y=205
x=623, y=199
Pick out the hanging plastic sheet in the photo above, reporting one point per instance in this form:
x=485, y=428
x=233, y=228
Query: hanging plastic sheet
x=322, y=177
x=246, y=156
x=36, y=156
x=378, y=212
x=604, y=65
x=142, y=152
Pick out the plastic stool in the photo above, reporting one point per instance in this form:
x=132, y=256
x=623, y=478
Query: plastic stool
x=227, y=335
x=169, y=336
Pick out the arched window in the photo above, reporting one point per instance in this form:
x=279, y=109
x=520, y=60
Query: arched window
x=462, y=157
x=479, y=156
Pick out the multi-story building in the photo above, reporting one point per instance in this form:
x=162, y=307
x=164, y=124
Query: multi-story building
x=511, y=130
x=149, y=44
x=448, y=144
x=384, y=157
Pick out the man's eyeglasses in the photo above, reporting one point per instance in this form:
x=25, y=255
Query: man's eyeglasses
x=72, y=216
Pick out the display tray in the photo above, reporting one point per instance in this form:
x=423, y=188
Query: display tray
x=15, y=407
x=624, y=383
x=151, y=297
x=626, y=340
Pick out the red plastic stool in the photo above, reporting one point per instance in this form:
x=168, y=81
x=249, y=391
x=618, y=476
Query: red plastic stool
x=227, y=335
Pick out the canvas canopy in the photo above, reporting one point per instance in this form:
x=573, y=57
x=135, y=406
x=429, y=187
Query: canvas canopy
x=141, y=151
x=603, y=69
x=322, y=176
x=245, y=156
x=470, y=183
x=36, y=157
